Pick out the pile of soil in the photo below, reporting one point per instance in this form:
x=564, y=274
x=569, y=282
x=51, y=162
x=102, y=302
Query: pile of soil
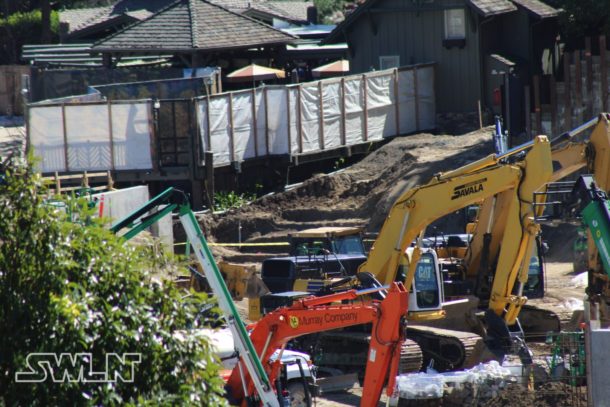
x=552, y=394
x=360, y=195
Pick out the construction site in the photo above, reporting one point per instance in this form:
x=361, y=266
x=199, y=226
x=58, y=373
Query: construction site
x=278, y=203
x=434, y=270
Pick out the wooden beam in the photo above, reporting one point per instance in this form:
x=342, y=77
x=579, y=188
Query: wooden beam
x=266, y=99
x=537, y=110
x=111, y=135
x=396, y=102
x=299, y=119
x=365, y=133
x=63, y=119
x=254, y=123
x=231, y=130
x=604, y=72
x=343, y=129
x=288, y=120
x=320, y=116
x=567, y=94
x=209, y=177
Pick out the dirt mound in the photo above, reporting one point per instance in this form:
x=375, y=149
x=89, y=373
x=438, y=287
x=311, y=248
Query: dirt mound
x=360, y=195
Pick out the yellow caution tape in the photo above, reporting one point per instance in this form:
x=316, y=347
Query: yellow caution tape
x=242, y=244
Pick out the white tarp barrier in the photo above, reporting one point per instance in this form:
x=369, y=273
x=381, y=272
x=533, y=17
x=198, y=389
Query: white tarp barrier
x=89, y=136
x=315, y=116
x=406, y=98
x=294, y=110
x=278, y=122
x=380, y=106
x=354, y=111
x=89, y=140
x=131, y=124
x=310, y=117
x=243, y=126
x=331, y=107
x=46, y=132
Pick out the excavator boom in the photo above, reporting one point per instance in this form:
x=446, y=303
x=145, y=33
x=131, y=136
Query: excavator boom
x=319, y=314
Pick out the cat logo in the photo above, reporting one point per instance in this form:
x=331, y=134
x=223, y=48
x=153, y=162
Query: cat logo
x=467, y=189
x=294, y=322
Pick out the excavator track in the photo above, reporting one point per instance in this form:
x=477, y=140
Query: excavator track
x=348, y=351
x=448, y=348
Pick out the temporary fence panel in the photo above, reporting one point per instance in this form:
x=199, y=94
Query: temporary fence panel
x=331, y=108
x=131, y=126
x=46, y=132
x=277, y=125
x=310, y=117
x=407, y=101
x=243, y=126
x=89, y=140
x=424, y=98
x=294, y=114
x=354, y=111
x=315, y=116
x=381, y=119
x=95, y=136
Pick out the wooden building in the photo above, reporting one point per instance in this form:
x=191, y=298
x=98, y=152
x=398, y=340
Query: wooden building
x=478, y=45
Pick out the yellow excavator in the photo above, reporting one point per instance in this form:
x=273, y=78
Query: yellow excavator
x=519, y=173
x=496, y=234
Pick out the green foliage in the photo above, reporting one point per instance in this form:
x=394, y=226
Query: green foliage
x=326, y=8
x=66, y=288
x=227, y=200
x=582, y=18
x=22, y=28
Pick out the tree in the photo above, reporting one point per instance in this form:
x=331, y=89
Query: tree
x=582, y=18
x=74, y=288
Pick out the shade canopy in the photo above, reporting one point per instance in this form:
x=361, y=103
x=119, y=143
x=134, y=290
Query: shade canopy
x=334, y=68
x=255, y=72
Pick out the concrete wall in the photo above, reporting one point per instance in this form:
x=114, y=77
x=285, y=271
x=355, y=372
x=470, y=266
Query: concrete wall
x=599, y=367
x=120, y=203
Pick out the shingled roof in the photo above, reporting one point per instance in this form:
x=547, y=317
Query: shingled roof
x=492, y=7
x=188, y=25
x=538, y=8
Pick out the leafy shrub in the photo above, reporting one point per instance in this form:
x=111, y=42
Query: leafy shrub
x=227, y=200
x=66, y=288
x=22, y=28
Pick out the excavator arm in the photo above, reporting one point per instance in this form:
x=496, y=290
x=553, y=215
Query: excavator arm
x=318, y=314
x=503, y=234
x=446, y=193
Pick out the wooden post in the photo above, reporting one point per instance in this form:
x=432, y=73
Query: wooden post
x=479, y=111
x=589, y=61
x=343, y=129
x=604, y=72
x=63, y=119
x=537, y=105
x=567, y=95
x=320, y=116
x=299, y=119
x=528, y=111
x=109, y=181
x=111, y=134
x=416, y=95
x=365, y=108
x=208, y=135
x=288, y=120
x=553, y=97
x=231, y=130
x=255, y=129
x=266, y=100
x=578, y=83
x=57, y=183
x=208, y=157
x=396, y=102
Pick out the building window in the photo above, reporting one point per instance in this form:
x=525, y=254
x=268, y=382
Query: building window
x=455, y=24
x=455, y=28
x=389, y=61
